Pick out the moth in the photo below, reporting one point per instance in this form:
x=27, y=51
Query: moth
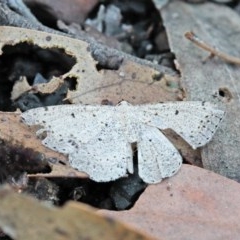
x=98, y=139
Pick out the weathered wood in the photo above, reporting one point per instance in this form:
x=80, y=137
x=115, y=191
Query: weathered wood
x=214, y=80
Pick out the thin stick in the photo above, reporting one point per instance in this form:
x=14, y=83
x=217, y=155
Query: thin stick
x=214, y=52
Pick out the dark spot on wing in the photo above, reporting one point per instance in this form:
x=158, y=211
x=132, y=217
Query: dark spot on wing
x=73, y=115
x=176, y=112
x=48, y=38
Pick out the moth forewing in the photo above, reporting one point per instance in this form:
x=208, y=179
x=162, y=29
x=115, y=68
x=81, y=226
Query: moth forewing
x=195, y=122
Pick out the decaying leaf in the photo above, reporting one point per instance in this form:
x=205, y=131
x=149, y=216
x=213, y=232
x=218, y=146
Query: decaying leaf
x=193, y=204
x=213, y=80
x=126, y=80
x=22, y=217
x=20, y=87
x=47, y=88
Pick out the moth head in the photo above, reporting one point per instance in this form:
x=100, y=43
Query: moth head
x=124, y=103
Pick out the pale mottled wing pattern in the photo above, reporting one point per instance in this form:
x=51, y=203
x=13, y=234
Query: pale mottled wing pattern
x=195, y=122
x=157, y=157
x=98, y=139
x=104, y=158
x=91, y=136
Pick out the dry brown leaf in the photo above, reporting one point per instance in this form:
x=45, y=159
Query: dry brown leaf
x=17, y=134
x=77, y=49
x=47, y=88
x=215, y=80
x=73, y=221
x=194, y=204
x=20, y=87
x=132, y=81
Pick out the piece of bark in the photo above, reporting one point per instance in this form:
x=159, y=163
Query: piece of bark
x=194, y=204
x=215, y=80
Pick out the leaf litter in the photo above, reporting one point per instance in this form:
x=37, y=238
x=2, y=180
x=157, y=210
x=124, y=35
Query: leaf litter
x=121, y=74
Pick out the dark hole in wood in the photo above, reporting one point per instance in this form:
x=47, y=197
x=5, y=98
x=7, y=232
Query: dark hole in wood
x=225, y=93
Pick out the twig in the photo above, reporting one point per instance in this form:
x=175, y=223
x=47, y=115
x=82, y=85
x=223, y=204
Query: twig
x=20, y=7
x=214, y=52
